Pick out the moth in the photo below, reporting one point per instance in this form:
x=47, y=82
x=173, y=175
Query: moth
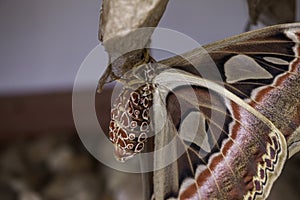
x=227, y=128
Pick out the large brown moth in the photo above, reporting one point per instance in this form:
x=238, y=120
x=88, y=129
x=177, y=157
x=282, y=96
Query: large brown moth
x=247, y=121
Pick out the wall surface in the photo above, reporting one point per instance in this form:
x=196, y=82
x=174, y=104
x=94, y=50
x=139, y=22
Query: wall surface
x=44, y=42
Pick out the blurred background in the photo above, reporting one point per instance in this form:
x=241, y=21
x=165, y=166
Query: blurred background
x=42, y=44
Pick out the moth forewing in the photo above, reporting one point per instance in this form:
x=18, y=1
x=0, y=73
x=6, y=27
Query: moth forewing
x=166, y=135
x=257, y=116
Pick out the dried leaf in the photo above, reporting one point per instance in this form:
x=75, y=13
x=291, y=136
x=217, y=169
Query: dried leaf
x=118, y=23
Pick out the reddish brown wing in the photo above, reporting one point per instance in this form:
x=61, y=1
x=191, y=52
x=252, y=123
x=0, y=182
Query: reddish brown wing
x=246, y=127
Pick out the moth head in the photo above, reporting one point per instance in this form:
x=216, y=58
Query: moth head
x=130, y=121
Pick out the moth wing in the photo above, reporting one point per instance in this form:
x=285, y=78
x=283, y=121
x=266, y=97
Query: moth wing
x=273, y=53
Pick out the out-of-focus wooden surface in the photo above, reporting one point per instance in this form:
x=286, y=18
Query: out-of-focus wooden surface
x=38, y=113
x=35, y=113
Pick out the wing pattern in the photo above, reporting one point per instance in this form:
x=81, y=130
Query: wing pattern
x=259, y=105
x=229, y=130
